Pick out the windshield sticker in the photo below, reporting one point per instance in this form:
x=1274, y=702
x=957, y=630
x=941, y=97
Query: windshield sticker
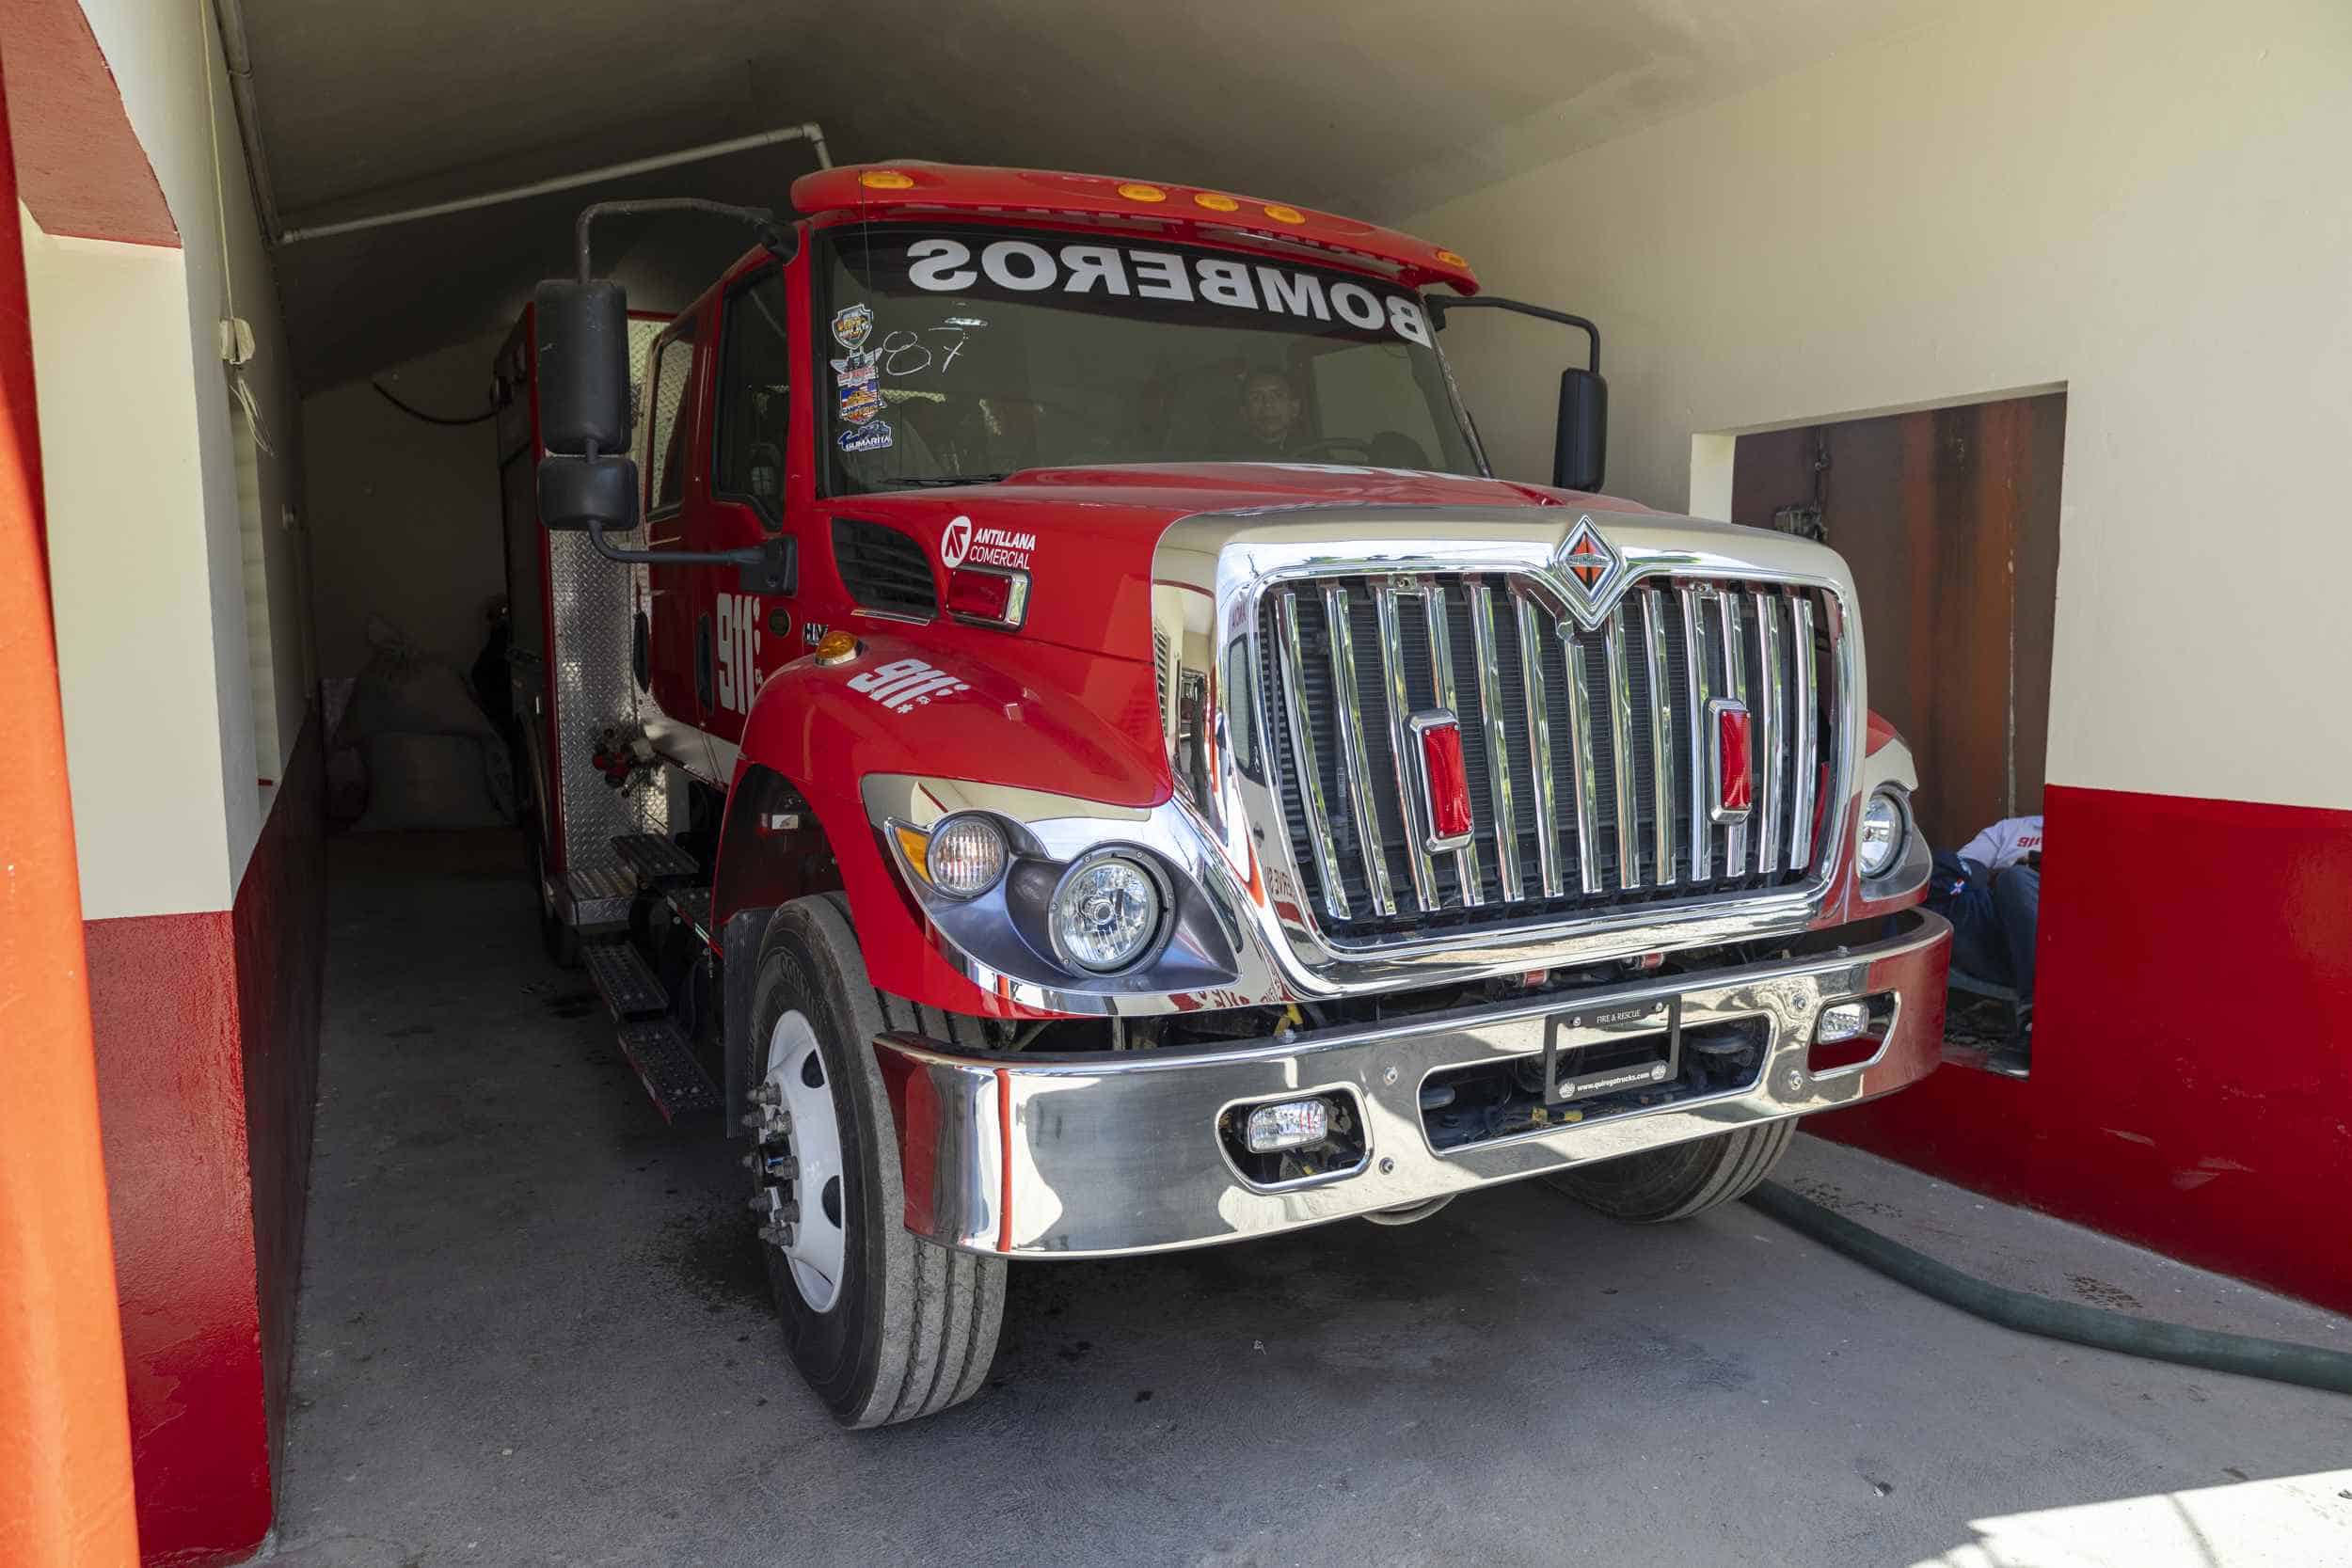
x=1023, y=266
x=851, y=325
x=904, y=685
x=865, y=438
x=860, y=401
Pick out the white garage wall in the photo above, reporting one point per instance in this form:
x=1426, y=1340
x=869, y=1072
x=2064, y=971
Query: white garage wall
x=147, y=569
x=404, y=514
x=2150, y=205
x=129, y=574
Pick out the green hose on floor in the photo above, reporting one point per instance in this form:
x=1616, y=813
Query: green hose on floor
x=2307, y=1365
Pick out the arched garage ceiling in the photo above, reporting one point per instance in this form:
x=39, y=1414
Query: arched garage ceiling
x=1375, y=108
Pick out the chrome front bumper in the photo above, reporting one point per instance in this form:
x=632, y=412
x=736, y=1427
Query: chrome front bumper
x=1037, y=1156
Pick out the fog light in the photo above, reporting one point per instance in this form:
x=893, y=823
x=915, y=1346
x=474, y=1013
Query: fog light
x=1290, y=1124
x=1881, y=839
x=1844, y=1022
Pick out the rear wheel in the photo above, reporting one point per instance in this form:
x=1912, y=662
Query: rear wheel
x=1681, y=1180
x=885, y=1327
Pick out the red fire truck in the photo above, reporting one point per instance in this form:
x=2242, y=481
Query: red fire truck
x=1042, y=718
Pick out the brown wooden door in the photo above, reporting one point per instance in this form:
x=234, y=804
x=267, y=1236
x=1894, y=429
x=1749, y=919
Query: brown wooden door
x=1950, y=520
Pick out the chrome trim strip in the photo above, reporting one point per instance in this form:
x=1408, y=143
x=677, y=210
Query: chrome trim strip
x=1466, y=875
x=1694, y=662
x=1411, y=775
x=1662, y=724
x=1772, y=749
x=1533, y=687
x=1310, y=772
x=1038, y=1155
x=1354, y=754
x=1736, y=688
x=1498, y=742
x=1621, y=751
x=1808, y=724
x=1586, y=769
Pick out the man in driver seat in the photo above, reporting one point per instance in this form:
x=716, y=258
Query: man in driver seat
x=1270, y=416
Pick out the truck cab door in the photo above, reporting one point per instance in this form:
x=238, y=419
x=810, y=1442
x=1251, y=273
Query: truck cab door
x=746, y=500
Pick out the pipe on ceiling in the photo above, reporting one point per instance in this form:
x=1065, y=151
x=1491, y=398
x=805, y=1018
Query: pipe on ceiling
x=808, y=131
x=228, y=16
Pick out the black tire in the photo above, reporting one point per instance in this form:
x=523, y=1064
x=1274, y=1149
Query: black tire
x=1681, y=1180
x=560, y=941
x=913, y=1326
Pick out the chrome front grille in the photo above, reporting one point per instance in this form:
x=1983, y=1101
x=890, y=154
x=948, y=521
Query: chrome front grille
x=1589, y=751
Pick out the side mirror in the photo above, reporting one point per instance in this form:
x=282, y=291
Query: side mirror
x=582, y=340
x=579, y=493
x=1581, y=449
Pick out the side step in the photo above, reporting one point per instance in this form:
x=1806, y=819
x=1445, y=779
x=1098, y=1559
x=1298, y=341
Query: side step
x=630, y=987
x=657, y=859
x=600, y=900
x=666, y=1066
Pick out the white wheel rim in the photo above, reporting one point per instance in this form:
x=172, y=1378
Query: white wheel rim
x=805, y=1153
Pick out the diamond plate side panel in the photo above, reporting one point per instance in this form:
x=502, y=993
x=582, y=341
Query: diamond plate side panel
x=591, y=685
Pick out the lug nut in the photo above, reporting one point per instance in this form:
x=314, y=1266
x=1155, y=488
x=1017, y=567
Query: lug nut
x=766, y=1094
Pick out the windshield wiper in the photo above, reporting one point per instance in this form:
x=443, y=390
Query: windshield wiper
x=933, y=482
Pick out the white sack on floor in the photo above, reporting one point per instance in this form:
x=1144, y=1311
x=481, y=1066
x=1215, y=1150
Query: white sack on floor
x=432, y=758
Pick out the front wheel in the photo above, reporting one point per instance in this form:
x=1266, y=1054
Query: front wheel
x=1680, y=1179
x=883, y=1326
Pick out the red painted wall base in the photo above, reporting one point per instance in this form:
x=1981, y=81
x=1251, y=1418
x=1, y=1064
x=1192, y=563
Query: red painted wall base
x=207, y=1042
x=2192, y=1058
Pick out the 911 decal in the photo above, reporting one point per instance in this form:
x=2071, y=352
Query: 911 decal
x=904, y=685
x=736, y=650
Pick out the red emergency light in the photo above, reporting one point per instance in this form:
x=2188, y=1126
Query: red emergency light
x=988, y=596
x=1445, y=779
x=913, y=185
x=1735, y=781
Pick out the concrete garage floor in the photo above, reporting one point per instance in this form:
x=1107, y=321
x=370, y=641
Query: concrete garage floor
x=533, y=1330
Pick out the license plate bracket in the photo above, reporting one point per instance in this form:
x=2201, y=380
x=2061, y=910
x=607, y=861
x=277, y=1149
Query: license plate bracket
x=1597, y=1050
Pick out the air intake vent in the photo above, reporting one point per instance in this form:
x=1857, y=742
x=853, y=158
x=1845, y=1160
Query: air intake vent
x=884, y=569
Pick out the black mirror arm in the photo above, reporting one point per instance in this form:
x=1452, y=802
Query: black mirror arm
x=770, y=566
x=1440, y=304
x=779, y=240
x=767, y=567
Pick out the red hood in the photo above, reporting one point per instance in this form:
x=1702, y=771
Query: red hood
x=1089, y=533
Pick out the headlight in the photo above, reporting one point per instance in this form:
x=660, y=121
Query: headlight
x=1108, y=913
x=962, y=857
x=1881, y=843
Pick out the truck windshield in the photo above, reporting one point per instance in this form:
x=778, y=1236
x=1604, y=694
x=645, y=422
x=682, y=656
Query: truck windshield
x=960, y=357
